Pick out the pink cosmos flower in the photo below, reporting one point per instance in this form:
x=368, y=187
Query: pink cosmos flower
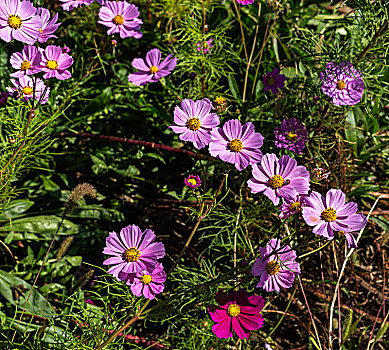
x=30, y=88
x=65, y=49
x=206, y=47
x=48, y=26
x=28, y=61
x=292, y=205
x=193, y=181
x=55, y=63
x=245, y=2
x=18, y=20
x=278, y=269
x=152, y=70
x=133, y=251
x=146, y=283
x=194, y=122
x=279, y=178
x=236, y=144
x=332, y=213
x=69, y=5
x=121, y=17
x=274, y=81
x=237, y=312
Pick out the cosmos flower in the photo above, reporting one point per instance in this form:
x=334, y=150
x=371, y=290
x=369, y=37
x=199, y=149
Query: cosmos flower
x=3, y=98
x=133, y=251
x=245, y=2
x=237, y=312
x=278, y=269
x=65, y=49
x=151, y=70
x=292, y=205
x=18, y=20
x=350, y=237
x=274, y=81
x=278, y=178
x=343, y=83
x=148, y=283
x=69, y=5
x=29, y=87
x=121, y=17
x=291, y=135
x=236, y=144
x=48, y=26
x=27, y=62
x=194, y=121
x=220, y=104
x=193, y=181
x=332, y=213
x=55, y=63
x=205, y=47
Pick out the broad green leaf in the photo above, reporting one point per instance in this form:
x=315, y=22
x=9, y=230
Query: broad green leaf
x=350, y=130
x=15, y=208
x=233, y=86
x=98, y=103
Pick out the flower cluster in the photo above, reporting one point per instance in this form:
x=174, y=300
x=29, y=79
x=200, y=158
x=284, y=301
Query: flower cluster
x=135, y=260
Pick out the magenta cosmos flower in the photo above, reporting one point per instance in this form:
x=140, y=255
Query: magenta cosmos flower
x=30, y=88
x=236, y=144
x=152, y=69
x=69, y=5
x=193, y=181
x=133, y=251
x=27, y=62
x=245, y=2
x=278, y=269
x=48, y=26
x=237, y=312
x=292, y=205
x=332, y=213
x=279, y=178
x=274, y=81
x=121, y=17
x=206, y=47
x=146, y=283
x=194, y=122
x=55, y=63
x=18, y=20
x=342, y=83
x=291, y=135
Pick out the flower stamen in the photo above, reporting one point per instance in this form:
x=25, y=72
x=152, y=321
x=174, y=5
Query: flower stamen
x=276, y=181
x=153, y=69
x=131, y=254
x=146, y=279
x=118, y=19
x=14, y=21
x=329, y=214
x=25, y=65
x=273, y=267
x=233, y=310
x=235, y=145
x=53, y=65
x=291, y=136
x=27, y=90
x=341, y=85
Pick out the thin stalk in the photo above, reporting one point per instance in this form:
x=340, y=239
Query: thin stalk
x=167, y=87
x=241, y=30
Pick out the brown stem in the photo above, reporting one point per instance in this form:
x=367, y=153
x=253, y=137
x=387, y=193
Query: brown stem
x=378, y=33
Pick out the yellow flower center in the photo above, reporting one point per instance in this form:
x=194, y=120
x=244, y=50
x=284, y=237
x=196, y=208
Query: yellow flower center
x=340, y=84
x=273, y=267
x=153, y=69
x=193, y=123
x=25, y=65
x=329, y=214
x=271, y=81
x=220, y=101
x=146, y=279
x=52, y=64
x=131, y=254
x=27, y=90
x=291, y=136
x=14, y=21
x=40, y=30
x=192, y=182
x=340, y=233
x=295, y=206
x=276, y=181
x=205, y=45
x=233, y=310
x=235, y=145
x=118, y=19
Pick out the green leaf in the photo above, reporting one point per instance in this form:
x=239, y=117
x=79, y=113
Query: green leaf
x=15, y=208
x=289, y=72
x=74, y=260
x=98, y=103
x=233, y=86
x=49, y=184
x=350, y=130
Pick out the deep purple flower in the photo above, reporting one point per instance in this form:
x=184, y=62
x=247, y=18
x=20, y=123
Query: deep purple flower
x=48, y=26
x=292, y=205
x=29, y=87
x=236, y=144
x=274, y=81
x=205, y=47
x=146, y=283
x=332, y=214
x=193, y=181
x=28, y=61
x=18, y=20
x=192, y=76
x=278, y=269
x=245, y=2
x=279, y=178
x=133, y=251
x=69, y=5
x=151, y=70
x=239, y=313
x=291, y=135
x=343, y=83
x=3, y=98
x=121, y=17
x=55, y=63
x=194, y=121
